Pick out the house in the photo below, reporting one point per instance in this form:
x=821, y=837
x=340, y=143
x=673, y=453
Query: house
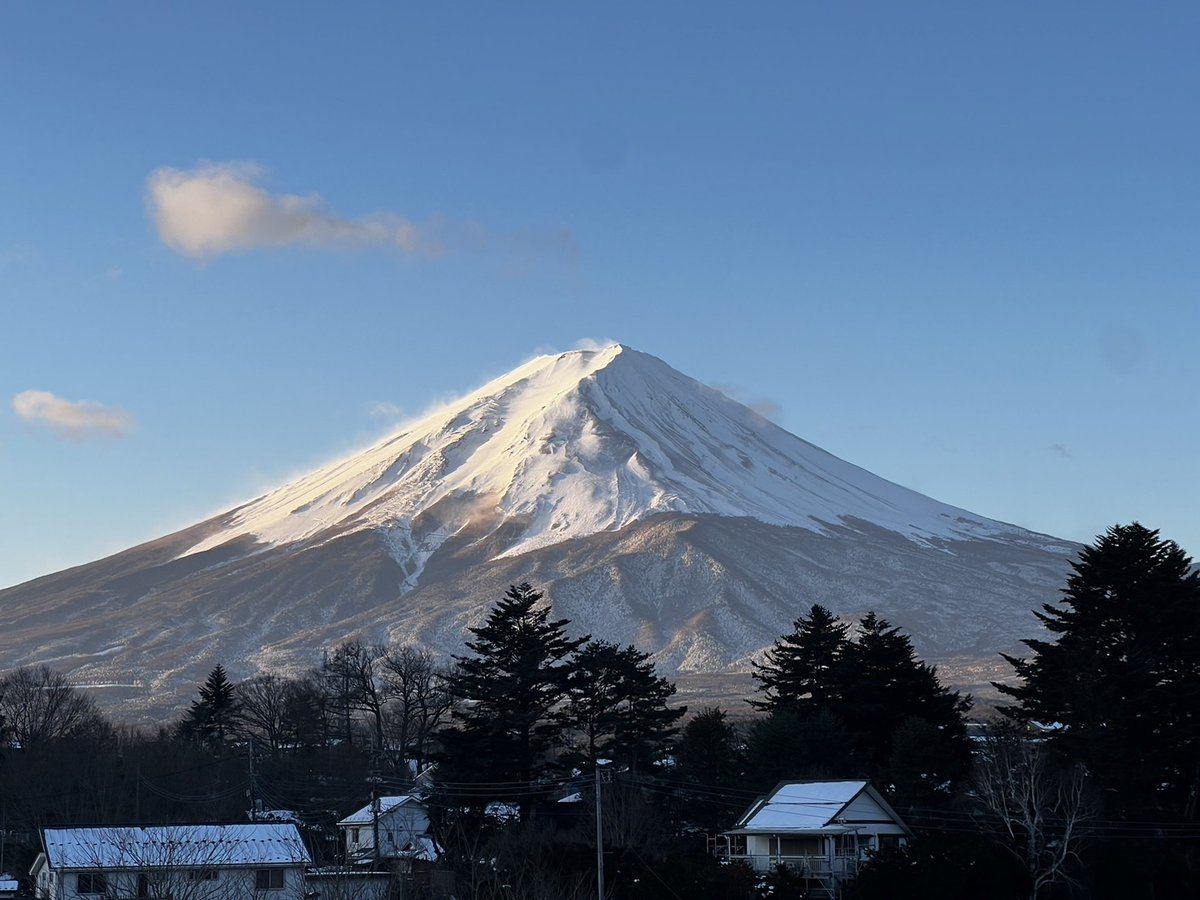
x=398, y=825
x=181, y=862
x=823, y=829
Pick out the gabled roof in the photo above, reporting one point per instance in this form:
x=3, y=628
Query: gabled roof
x=366, y=815
x=174, y=846
x=810, y=806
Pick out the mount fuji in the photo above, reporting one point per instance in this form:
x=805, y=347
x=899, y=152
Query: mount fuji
x=650, y=508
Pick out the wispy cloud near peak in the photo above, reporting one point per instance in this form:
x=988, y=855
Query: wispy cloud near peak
x=72, y=420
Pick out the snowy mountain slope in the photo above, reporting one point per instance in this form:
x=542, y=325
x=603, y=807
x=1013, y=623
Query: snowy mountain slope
x=650, y=508
x=584, y=442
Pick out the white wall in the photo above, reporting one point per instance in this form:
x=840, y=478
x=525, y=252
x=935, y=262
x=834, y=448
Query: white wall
x=229, y=883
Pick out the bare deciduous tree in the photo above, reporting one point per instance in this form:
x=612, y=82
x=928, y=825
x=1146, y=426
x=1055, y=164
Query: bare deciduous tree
x=1035, y=808
x=40, y=705
x=417, y=701
x=350, y=673
x=523, y=862
x=264, y=709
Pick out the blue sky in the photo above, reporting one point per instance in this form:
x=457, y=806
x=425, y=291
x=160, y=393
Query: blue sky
x=956, y=244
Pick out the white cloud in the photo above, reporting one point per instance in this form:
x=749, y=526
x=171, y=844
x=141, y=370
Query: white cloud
x=385, y=410
x=592, y=344
x=218, y=208
x=75, y=421
x=768, y=409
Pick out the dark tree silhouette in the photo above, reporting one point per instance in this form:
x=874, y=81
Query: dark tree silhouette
x=214, y=716
x=884, y=686
x=800, y=672
x=38, y=705
x=858, y=706
x=508, y=694
x=1121, y=676
x=618, y=705
x=709, y=755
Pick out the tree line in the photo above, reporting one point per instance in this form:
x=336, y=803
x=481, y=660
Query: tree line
x=1087, y=784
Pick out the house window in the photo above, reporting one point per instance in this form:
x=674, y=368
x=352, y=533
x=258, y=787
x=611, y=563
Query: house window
x=799, y=846
x=354, y=835
x=796, y=846
x=202, y=875
x=890, y=841
x=268, y=879
x=91, y=883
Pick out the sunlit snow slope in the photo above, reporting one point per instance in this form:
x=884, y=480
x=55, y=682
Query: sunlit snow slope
x=582, y=442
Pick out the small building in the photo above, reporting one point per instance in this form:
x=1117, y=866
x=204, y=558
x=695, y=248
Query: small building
x=399, y=823
x=182, y=862
x=822, y=829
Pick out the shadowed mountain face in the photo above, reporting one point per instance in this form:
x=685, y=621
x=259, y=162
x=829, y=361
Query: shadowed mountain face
x=650, y=509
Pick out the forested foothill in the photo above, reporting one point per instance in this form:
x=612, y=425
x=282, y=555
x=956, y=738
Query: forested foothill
x=1087, y=784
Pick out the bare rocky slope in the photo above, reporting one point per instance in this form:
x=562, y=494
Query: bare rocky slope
x=650, y=508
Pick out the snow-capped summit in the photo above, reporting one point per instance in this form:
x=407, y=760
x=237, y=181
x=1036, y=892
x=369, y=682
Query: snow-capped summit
x=576, y=443
x=650, y=508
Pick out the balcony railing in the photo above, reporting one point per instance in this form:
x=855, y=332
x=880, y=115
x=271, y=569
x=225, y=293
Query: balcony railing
x=822, y=867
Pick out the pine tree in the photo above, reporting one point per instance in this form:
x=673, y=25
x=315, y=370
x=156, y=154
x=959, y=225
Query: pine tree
x=884, y=685
x=1121, y=677
x=708, y=752
x=214, y=716
x=709, y=756
x=800, y=671
x=837, y=704
x=508, y=694
x=787, y=745
x=618, y=705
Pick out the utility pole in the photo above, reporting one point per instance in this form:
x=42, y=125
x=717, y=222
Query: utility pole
x=375, y=823
x=599, y=839
x=251, y=790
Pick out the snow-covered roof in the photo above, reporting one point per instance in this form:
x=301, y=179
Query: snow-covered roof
x=502, y=812
x=810, y=806
x=276, y=815
x=366, y=815
x=421, y=848
x=174, y=846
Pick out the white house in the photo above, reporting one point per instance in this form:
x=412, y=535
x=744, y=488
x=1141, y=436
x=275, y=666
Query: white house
x=180, y=862
x=823, y=829
x=401, y=824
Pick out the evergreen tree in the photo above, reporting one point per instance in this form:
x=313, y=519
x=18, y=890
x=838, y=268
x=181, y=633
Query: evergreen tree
x=800, y=672
x=787, y=745
x=708, y=751
x=854, y=706
x=214, y=716
x=618, y=705
x=508, y=694
x=925, y=763
x=884, y=685
x=1121, y=674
